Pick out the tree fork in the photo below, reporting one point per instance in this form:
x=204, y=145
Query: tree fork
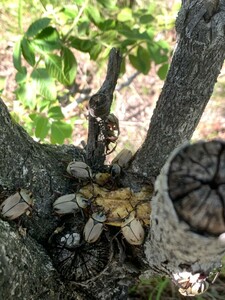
x=195, y=66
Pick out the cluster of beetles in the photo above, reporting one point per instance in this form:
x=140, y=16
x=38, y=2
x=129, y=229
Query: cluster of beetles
x=102, y=204
x=108, y=206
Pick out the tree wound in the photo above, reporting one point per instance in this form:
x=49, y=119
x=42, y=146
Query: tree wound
x=196, y=185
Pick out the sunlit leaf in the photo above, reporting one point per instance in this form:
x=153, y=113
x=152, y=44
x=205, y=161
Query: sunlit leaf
x=125, y=15
x=21, y=77
x=47, y=40
x=107, y=3
x=28, y=51
x=70, y=11
x=93, y=14
x=45, y=85
x=42, y=127
x=17, y=51
x=26, y=93
x=37, y=26
x=95, y=51
x=60, y=131
x=55, y=112
x=69, y=65
x=62, y=68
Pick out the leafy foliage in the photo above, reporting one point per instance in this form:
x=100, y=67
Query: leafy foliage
x=44, y=56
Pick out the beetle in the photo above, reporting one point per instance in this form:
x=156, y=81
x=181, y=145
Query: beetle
x=79, y=170
x=112, y=132
x=94, y=227
x=67, y=204
x=133, y=230
x=195, y=289
x=123, y=158
x=16, y=205
x=191, y=284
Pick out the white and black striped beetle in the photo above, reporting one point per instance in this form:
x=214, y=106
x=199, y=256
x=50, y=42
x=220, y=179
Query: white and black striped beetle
x=16, y=205
x=94, y=227
x=67, y=204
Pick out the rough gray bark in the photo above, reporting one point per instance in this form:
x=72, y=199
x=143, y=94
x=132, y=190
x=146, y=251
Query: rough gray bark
x=26, y=270
x=99, y=109
x=195, y=66
x=188, y=215
x=42, y=169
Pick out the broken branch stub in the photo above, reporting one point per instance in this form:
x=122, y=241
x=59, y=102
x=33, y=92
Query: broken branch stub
x=196, y=181
x=99, y=109
x=188, y=210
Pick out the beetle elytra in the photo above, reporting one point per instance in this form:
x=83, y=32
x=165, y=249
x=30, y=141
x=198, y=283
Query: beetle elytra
x=133, y=230
x=16, y=205
x=94, y=227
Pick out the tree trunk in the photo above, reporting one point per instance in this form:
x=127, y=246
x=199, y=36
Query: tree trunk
x=176, y=241
x=195, y=66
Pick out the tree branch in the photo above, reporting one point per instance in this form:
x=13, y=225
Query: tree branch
x=99, y=109
x=195, y=66
x=36, y=167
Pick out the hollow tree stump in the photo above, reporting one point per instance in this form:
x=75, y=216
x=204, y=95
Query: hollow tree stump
x=188, y=211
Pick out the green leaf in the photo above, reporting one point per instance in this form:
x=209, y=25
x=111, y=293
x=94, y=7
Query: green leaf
x=60, y=131
x=28, y=51
x=26, y=93
x=109, y=37
x=45, y=46
x=37, y=26
x=53, y=65
x=127, y=42
x=162, y=72
x=125, y=15
x=95, y=51
x=47, y=40
x=70, y=11
x=82, y=44
x=79, y=2
x=44, y=103
x=146, y=19
x=62, y=68
x=42, y=127
x=107, y=25
x=107, y=3
x=144, y=57
x=69, y=64
x=157, y=53
x=33, y=116
x=133, y=34
x=21, y=77
x=48, y=34
x=93, y=14
x=45, y=85
x=142, y=61
x=83, y=28
x=17, y=57
x=55, y=113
